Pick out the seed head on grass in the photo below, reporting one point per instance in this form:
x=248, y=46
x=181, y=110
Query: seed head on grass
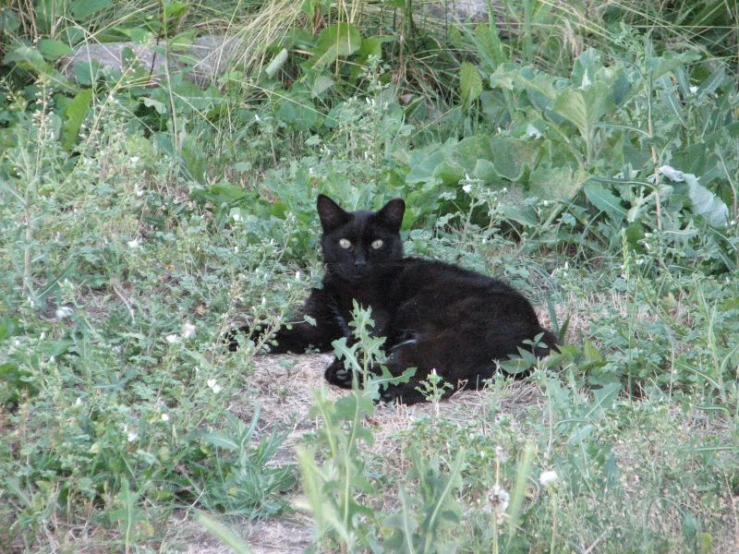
x=548, y=477
x=498, y=500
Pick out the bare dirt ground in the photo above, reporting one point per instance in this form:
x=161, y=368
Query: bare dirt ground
x=283, y=386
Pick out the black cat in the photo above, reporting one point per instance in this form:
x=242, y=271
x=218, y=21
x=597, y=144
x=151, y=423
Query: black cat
x=434, y=315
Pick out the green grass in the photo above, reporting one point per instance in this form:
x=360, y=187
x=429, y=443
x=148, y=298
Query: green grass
x=138, y=223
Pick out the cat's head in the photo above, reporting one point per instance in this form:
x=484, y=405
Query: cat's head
x=356, y=243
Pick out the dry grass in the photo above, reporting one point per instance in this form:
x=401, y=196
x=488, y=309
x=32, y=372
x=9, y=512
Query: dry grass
x=283, y=386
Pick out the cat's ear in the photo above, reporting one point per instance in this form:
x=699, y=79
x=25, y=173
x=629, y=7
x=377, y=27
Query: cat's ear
x=391, y=214
x=331, y=214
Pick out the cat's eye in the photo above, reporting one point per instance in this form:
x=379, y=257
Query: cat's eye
x=377, y=244
x=345, y=244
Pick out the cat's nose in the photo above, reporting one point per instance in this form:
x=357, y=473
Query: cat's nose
x=360, y=265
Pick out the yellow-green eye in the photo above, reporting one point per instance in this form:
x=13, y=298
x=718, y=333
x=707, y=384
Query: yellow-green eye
x=345, y=243
x=377, y=244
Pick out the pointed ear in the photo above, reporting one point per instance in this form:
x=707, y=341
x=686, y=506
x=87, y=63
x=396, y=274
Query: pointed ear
x=391, y=215
x=330, y=213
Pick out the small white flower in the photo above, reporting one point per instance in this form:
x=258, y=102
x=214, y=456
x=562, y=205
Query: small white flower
x=63, y=312
x=237, y=217
x=78, y=402
x=467, y=188
x=174, y=338
x=188, y=330
x=548, y=477
x=214, y=386
x=135, y=160
x=693, y=90
x=129, y=434
x=165, y=417
x=297, y=275
x=257, y=118
x=135, y=243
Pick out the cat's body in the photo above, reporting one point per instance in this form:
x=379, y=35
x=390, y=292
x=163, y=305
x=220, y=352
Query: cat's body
x=433, y=315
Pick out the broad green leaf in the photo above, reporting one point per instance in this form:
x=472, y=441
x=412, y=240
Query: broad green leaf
x=510, y=156
x=541, y=88
x=83, y=9
x=485, y=171
x=372, y=46
x=27, y=58
x=321, y=84
x=470, y=149
x=31, y=60
x=338, y=40
x=705, y=203
x=525, y=215
x=710, y=85
x=86, y=73
x=580, y=434
x=278, y=61
x=582, y=107
x=52, y=49
x=174, y=10
x=606, y=396
x=424, y=162
x=182, y=42
x=489, y=45
x=659, y=66
x=8, y=20
x=504, y=77
x=297, y=109
x=139, y=35
x=605, y=201
x=449, y=172
x=156, y=104
x=470, y=84
x=221, y=441
x=587, y=65
x=54, y=348
x=667, y=91
x=74, y=115
x=556, y=183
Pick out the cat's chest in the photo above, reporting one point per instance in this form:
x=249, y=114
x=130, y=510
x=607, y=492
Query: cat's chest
x=365, y=294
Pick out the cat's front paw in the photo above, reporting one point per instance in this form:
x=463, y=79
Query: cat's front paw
x=403, y=393
x=338, y=375
x=246, y=332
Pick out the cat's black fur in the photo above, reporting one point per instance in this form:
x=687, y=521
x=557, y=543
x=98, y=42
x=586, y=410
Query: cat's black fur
x=434, y=315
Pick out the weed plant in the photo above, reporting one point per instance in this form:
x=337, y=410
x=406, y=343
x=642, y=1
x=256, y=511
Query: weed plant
x=586, y=154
